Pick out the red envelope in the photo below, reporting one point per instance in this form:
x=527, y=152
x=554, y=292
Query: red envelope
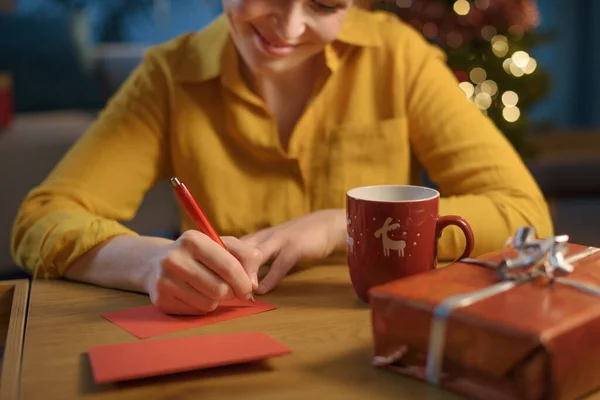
x=148, y=321
x=126, y=361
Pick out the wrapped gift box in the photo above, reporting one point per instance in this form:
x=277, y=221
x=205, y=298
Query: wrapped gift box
x=534, y=338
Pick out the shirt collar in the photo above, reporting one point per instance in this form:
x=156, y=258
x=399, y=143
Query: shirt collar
x=201, y=54
x=360, y=28
x=210, y=53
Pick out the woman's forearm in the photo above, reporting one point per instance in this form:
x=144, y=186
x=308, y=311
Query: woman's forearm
x=124, y=262
x=341, y=228
x=493, y=218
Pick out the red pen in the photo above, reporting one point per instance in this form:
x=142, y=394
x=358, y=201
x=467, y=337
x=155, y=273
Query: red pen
x=196, y=214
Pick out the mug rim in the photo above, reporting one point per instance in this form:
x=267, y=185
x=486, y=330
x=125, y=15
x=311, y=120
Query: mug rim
x=434, y=193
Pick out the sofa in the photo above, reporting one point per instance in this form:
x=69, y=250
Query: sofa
x=28, y=152
x=36, y=141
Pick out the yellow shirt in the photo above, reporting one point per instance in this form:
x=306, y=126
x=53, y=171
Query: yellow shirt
x=389, y=101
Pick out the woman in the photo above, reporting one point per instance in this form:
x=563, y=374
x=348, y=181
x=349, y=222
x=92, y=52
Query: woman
x=269, y=115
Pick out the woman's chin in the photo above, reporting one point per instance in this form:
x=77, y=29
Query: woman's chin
x=280, y=66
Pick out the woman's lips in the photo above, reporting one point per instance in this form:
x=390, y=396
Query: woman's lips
x=273, y=48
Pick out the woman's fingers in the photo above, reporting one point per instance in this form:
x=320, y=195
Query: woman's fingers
x=284, y=255
x=183, y=267
x=176, y=297
x=256, y=238
x=197, y=274
x=218, y=260
x=174, y=306
x=249, y=256
x=285, y=260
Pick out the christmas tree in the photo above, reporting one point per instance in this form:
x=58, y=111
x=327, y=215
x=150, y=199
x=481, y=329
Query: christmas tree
x=488, y=44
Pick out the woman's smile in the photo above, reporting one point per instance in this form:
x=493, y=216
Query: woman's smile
x=272, y=46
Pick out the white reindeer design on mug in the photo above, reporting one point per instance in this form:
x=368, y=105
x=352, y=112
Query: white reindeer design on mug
x=390, y=244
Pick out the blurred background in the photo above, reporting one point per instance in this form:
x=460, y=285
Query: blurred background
x=530, y=65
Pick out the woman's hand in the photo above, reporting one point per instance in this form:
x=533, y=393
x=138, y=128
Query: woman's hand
x=194, y=274
x=311, y=237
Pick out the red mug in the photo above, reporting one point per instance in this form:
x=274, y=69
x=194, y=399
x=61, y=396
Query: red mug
x=392, y=232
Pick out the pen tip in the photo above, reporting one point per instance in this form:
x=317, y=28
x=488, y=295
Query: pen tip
x=252, y=299
x=175, y=181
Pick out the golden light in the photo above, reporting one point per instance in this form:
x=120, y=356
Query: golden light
x=483, y=101
x=506, y=65
x=516, y=31
x=511, y=114
x=516, y=71
x=500, y=45
x=482, y=4
x=488, y=32
x=478, y=75
x=462, y=7
x=454, y=39
x=520, y=58
x=430, y=30
x=510, y=98
x=468, y=88
x=490, y=87
x=404, y=3
x=531, y=66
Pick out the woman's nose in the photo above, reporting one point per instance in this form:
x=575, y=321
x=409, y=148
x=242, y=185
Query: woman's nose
x=291, y=21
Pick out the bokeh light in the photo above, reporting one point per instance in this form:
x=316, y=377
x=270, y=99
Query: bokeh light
x=510, y=98
x=500, y=45
x=477, y=75
x=488, y=32
x=404, y=3
x=511, y=114
x=482, y=4
x=483, y=100
x=462, y=7
x=468, y=88
x=490, y=87
x=520, y=58
x=454, y=39
x=531, y=66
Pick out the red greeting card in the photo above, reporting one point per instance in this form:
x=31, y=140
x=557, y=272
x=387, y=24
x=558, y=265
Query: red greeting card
x=148, y=321
x=126, y=361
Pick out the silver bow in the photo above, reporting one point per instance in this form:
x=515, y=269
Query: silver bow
x=534, y=258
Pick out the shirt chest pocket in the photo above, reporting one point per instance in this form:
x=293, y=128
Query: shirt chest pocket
x=361, y=155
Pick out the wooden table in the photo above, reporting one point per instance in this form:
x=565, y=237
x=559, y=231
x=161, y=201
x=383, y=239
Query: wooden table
x=318, y=317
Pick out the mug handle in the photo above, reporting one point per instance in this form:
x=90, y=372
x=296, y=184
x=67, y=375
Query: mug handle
x=464, y=226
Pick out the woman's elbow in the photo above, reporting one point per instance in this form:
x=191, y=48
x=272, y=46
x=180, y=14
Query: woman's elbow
x=532, y=210
x=36, y=218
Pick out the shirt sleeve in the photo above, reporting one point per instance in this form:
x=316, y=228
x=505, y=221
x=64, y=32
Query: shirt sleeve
x=478, y=172
x=100, y=181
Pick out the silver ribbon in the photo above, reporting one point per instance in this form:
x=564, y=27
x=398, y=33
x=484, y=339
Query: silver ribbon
x=534, y=258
